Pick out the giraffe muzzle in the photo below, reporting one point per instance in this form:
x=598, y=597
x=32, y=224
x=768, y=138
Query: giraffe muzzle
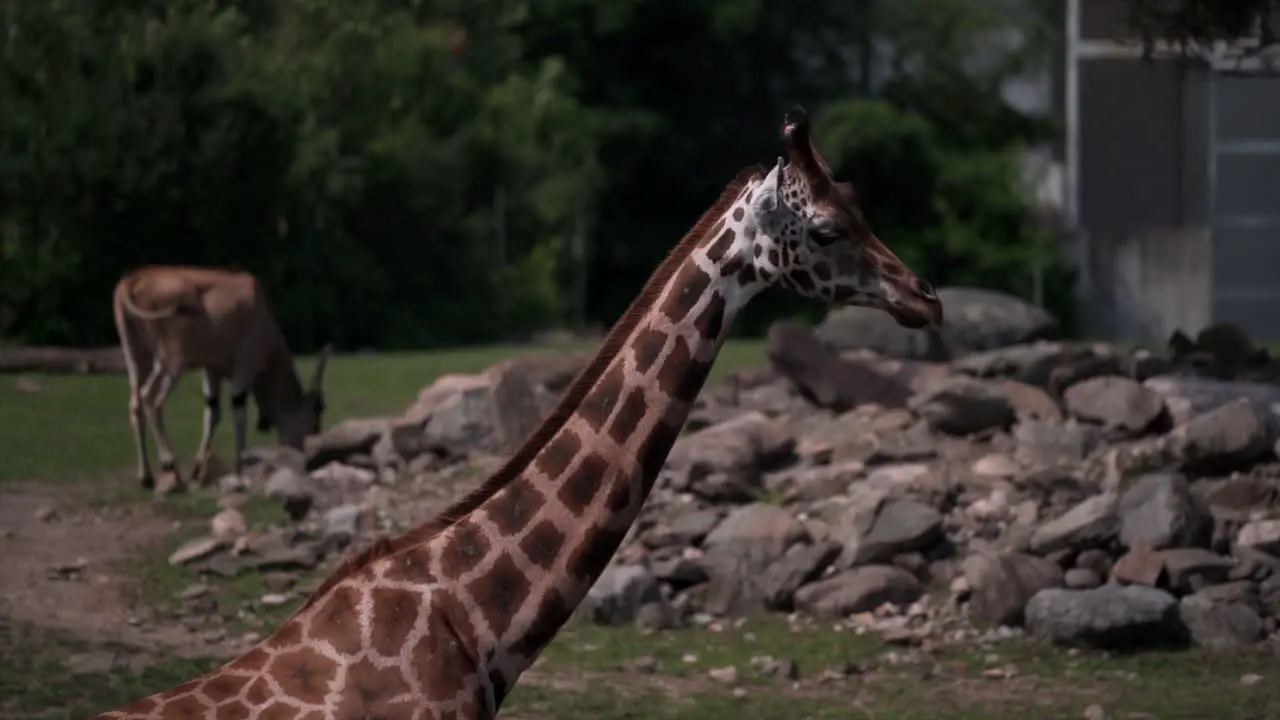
x=917, y=304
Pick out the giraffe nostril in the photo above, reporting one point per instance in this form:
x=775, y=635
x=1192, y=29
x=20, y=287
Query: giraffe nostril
x=925, y=288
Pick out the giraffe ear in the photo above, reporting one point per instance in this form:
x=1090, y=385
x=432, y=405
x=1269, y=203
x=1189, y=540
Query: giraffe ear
x=768, y=195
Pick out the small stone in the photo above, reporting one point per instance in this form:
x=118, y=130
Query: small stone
x=1250, y=679
x=727, y=675
x=274, y=599
x=1095, y=712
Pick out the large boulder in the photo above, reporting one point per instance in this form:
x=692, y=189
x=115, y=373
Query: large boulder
x=975, y=320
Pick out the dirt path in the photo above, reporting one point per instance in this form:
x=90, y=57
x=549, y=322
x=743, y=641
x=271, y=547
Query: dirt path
x=62, y=567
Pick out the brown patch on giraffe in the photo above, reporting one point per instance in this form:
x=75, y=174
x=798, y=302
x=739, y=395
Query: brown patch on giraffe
x=598, y=405
x=287, y=635
x=467, y=546
x=258, y=692
x=412, y=566
x=280, y=711
x=337, y=622
x=748, y=275
x=501, y=688
x=732, y=266
x=395, y=612
x=304, y=674
x=313, y=715
x=710, y=322
x=653, y=452
x=184, y=705
x=671, y=374
x=686, y=290
x=822, y=271
x=499, y=593
x=373, y=692
x=556, y=457
x=774, y=258
x=630, y=412
x=616, y=339
x=718, y=249
x=235, y=710
x=542, y=544
x=440, y=659
x=648, y=348
x=599, y=544
x=224, y=686
x=619, y=496
x=738, y=214
x=515, y=506
x=803, y=280
x=553, y=612
x=580, y=488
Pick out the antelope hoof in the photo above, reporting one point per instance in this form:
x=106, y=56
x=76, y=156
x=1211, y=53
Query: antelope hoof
x=147, y=482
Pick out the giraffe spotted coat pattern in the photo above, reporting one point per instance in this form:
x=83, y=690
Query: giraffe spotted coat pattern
x=441, y=621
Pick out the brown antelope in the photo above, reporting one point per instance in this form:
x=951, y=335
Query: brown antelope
x=174, y=319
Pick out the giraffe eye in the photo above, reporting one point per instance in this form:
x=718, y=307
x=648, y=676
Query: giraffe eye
x=824, y=235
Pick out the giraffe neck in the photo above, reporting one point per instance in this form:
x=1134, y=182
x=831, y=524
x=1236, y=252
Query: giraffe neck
x=525, y=558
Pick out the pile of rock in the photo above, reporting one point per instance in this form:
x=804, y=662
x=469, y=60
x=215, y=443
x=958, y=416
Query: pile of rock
x=1094, y=495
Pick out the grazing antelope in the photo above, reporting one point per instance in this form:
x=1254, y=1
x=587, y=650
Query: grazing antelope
x=174, y=319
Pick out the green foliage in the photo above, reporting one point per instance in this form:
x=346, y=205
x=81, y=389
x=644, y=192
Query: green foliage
x=407, y=174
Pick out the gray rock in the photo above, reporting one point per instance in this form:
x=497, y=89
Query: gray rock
x=889, y=527
x=802, y=564
x=1001, y=585
x=858, y=590
x=1115, y=402
x=965, y=407
x=617, y=596
x=1220, y=626
x=740, y=550
x=1261, y=535
x=976, y=320
x=1159, y=510
x=826, y=379
x=1090, y=524
x=727, y=462
x=1109, y=617
x=1230, y=437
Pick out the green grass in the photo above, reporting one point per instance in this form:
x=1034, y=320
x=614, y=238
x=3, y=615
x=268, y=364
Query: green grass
x=583, y=675
x=77, y=425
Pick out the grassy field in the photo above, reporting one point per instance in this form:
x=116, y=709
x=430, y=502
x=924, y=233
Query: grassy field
x=71, y=432
x=73, y=426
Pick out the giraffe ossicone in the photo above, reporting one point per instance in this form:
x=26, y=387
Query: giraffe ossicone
x=441, y=621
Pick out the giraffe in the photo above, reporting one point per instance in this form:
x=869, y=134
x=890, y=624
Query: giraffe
x=441, y=621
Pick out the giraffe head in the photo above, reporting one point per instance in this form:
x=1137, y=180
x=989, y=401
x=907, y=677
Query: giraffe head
x=814, y=240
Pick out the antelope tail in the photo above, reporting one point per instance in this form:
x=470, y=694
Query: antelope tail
x=126, y=300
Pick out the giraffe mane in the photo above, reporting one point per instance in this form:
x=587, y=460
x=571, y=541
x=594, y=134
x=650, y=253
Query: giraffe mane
x=568, y=404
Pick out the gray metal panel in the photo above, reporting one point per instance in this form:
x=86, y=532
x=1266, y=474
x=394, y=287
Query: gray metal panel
x=1248, y=107
x=1244, y=154
x=1131, y=144
x=1248, y=184
x=1258, y=316
x=1246, y=257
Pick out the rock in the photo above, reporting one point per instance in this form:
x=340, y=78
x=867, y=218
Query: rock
x=1109, y=617
x=889, y=527
x=293, y=488
x=1190, y=569
x=1140, y=566
x=1043, y=444
x=826, y=379
x=349, y=437
x=726, y=462
x=1115, y=402
x=1001, y=585
x=976, y=320
x=1090, y=524
x=965, y=407
x=859, y=590
x=1160, y=511
x=196, y=549
x=1261, y=535
x=517, y=412
x=619, y=593
x=1081, y=579
x=228, y=525
x=1219, y=626
x=1228, y=438
x=802, y=564
x=740, y=550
